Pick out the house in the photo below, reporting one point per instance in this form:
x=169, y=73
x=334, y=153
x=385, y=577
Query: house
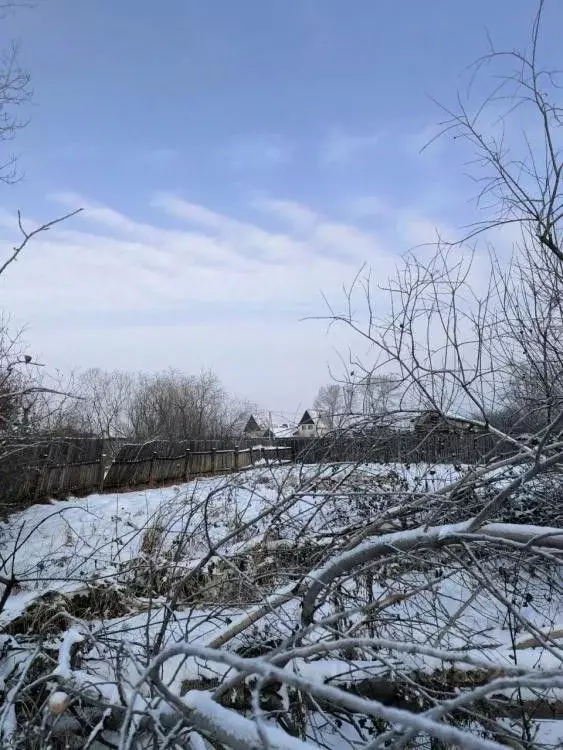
x=432, y=420
x=312, y=424
x=284, y=430
x=259, y=427
x=254, y=430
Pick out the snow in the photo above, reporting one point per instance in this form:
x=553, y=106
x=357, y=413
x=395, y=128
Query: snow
x=196, y=741
x=526, y=533
x=67, y=546
x=549, y=733
x=284, y=431
x=233, y=729
x=350, y=701
x=71, y=637
x=71, y=541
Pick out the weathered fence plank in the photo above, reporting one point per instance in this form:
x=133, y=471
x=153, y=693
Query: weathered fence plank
x=59, y=468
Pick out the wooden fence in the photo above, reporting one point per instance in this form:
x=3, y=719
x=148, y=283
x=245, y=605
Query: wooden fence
x=158, y=463
x=401, y=447
x=69, y=467
x=45, y=467
x=64, y=467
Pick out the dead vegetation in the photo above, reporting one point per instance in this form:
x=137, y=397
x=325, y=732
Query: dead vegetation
x=54, y=612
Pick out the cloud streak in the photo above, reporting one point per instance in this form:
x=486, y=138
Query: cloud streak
x=106, y=262
x=110, y=290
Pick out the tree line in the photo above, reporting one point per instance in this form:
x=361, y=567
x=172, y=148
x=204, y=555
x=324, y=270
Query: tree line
x=527, y=394
x=116, y=404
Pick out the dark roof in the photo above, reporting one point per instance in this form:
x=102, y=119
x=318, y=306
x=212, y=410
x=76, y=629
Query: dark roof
x=307, y=418
x=434, y=419
x=433, y=414
x=252, y=425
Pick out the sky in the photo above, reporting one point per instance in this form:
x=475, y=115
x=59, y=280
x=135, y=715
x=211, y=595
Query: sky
x=237, y=163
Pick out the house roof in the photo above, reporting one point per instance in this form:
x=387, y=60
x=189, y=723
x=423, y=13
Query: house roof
x=252, y=425
x=307, y=418
x=311, y=416
x=447, y=417
x=261, y=424
x=437, y=413
x=283, y=430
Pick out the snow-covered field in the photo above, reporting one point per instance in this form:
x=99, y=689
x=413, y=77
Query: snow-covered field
x=220, y=563
x=67, y=542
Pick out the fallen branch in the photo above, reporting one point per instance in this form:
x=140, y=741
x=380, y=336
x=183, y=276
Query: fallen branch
x=421, y=538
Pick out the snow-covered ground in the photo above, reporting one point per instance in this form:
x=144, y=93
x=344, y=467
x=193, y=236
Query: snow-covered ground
x=66, y=542
x=121, y=540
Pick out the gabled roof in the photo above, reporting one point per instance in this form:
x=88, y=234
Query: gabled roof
x=307, y=418
x=314, y=417
x=435, y=414
x=434, y=419
x=252, y=425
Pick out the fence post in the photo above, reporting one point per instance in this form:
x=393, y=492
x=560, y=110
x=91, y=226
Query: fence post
x=69, y=456
x=235, y=458
x=38, y=485
x=101, y=472
x=151, y=467
x=46, y=484
x=214, y=460
x=187, y=466
x=61, y=483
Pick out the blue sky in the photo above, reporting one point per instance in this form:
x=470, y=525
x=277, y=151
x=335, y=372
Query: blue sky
x=234, y=159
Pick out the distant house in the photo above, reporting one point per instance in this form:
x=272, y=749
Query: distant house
x=312, y=424
x=284, y=430
x=434, y=421
x=254, y=430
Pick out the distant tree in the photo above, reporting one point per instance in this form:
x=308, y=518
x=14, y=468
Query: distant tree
x=330, y=402
x=174, y=405
x=104, y=404
x=370, y=395
x=378, y=394
x=531, y=399
x=363, y=396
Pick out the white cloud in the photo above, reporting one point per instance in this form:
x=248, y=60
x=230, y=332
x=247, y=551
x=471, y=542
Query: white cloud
x=293, y=214
x=340, y=147
x=108, y=290
x=105, y=289
x=416, y=230
x=347, y=242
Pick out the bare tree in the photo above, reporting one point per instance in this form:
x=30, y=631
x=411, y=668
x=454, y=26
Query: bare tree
x=378, y=394
x=174, y=405
x=364, y=398
x=329, y=401
x=530, y=335
x=14, y=93
x=103, y=408
x=321, y=606
x=136, y=406
x=27, y=395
